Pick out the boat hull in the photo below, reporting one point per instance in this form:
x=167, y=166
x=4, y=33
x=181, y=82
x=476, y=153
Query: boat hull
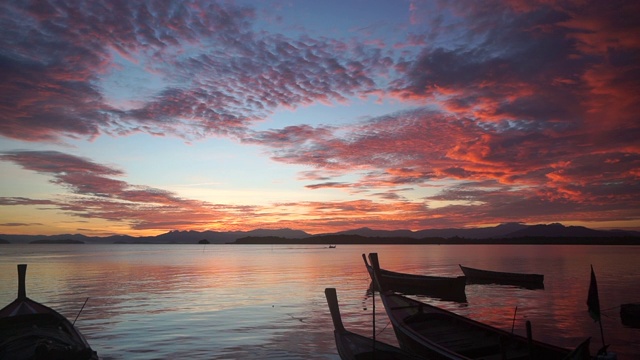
x=352, y=346
x=479, y=276
x=441, y=287
x=630, y=315
x=437, y=333
x=30, y=330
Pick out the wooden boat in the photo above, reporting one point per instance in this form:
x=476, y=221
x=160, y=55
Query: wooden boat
x=475, y=276
x=441, y=287
x=352, y=346
x=30, y=330
x=436, y=333
x=630, y=314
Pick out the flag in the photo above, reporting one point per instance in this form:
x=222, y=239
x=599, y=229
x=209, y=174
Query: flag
x=581, y=352
x=593, y=302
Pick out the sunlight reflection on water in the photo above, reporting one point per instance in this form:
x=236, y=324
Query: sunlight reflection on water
x=267, y=302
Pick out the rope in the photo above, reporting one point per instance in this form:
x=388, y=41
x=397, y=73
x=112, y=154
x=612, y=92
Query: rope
x=383, y=329
x=611, y=308
x=608, y=316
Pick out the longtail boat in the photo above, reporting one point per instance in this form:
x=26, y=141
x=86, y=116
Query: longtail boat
x=352, y=346
x=441, y=287
x=437, y=333
x=32, y=331
x=532, y=281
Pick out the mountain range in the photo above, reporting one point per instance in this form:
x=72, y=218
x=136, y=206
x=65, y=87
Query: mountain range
x=504, y=231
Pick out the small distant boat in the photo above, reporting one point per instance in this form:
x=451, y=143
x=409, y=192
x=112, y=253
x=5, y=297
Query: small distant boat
x=30, y=330
x=442, y=287
x=352, y=346
x=436, y=333
x=332, y=246
x=630, y=314
x=533, y=281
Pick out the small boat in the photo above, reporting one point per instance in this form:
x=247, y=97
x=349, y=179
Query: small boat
x=352, y=346
x=630, y=314
x=332, y=246
x=437, y=333
x=30, y=330
x=478, y=276
x=441, y=287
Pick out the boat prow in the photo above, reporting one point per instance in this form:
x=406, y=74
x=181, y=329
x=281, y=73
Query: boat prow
x=352, y=346
x=30, y=330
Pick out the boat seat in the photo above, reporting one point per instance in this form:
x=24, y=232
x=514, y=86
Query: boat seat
x=478, y=350
x=507, y=351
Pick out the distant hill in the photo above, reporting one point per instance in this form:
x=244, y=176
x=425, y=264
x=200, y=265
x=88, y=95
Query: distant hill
x=509, y=231
x=502, y=230
x=215, y=237
x=61, y=241
x=558, y=230
x=367, y=232
x=171, y=237
x=22, y=239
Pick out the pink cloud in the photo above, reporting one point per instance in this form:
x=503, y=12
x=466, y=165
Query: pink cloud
x=525, y=109
x=563, y=196
x=522, y=163
x=237, y=77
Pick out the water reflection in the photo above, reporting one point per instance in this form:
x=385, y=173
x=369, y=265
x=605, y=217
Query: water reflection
x=520, y=284
x=231, y=302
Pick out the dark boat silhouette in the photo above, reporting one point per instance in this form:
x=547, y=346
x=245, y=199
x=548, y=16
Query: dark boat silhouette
x=630, y=315
x=437, y=333
x=440, y=287
x=480, y=276
x=352, y=346
x=32, y=331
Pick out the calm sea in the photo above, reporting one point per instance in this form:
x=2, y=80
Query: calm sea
x=267, y=302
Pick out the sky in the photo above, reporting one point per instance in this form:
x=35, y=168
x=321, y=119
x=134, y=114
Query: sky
x=141, y=117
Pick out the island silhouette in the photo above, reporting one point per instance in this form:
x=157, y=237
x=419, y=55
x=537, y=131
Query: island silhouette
x=510, y=233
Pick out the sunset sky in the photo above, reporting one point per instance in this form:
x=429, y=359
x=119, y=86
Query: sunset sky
x=140, y=117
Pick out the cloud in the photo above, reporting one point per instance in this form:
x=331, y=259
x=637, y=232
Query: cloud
x=219, y=75
x=545, y=63
x=516, y=106
x=495, y=172
x=23, y=201
x=57, y=163
x=333, y=184
x=537, y=100
x=96, y=194
x=19, y=224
